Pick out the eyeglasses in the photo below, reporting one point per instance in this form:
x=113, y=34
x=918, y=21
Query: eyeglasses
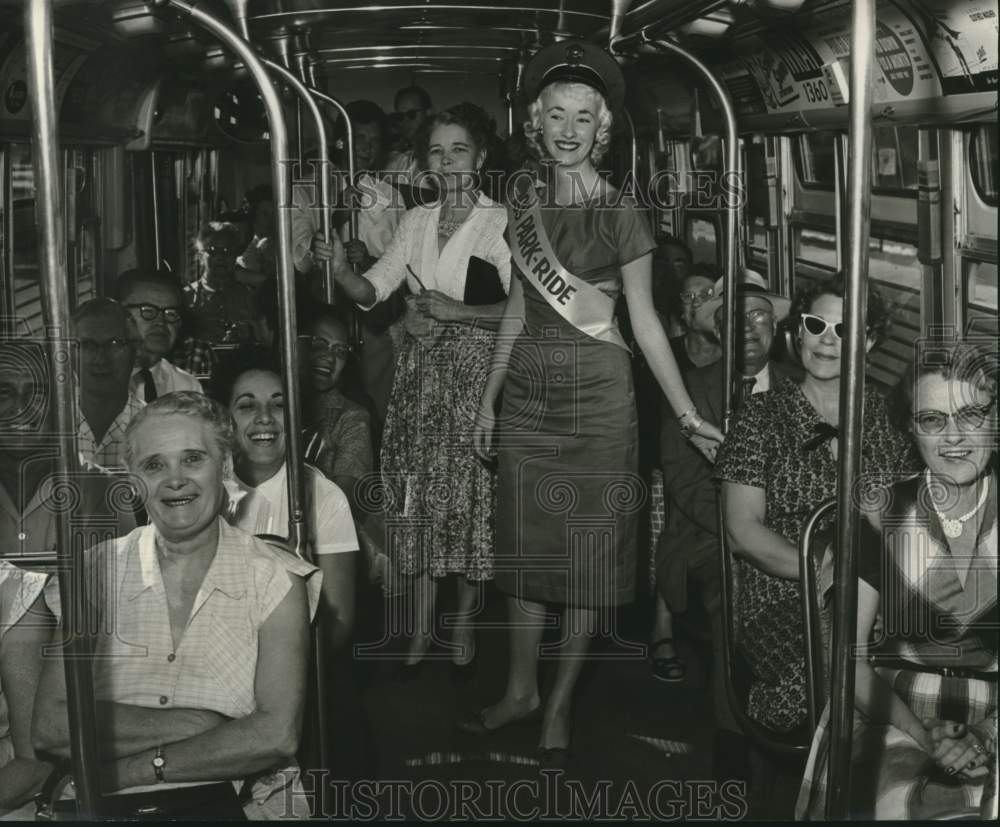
x=759, y=317
x=412, y=114
x=701, y=296
x=93, y=346
x=817, y=325
x=171, y=315
x=212, y=250
x=968, y=418
x=320, y=346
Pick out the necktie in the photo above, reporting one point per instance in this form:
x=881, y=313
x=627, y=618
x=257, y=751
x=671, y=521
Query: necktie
x=746, y=389
x=148, y=385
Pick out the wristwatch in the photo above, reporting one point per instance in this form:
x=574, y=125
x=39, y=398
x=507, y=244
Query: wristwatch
x=159, y=762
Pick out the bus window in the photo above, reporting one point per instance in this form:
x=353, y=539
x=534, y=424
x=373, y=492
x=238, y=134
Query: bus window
x=816, y=247
x=702, y=237
x=980, y=289
x=894, y=158
x=983, y=162
x=814, y=159
x=27, y=305
x=759, y=245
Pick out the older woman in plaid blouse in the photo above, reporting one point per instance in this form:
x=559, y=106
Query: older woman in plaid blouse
x=219, y=618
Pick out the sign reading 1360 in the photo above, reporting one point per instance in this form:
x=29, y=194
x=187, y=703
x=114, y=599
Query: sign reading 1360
x=815, y=91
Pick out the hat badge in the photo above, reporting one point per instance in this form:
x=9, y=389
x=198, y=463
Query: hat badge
x=574, y=54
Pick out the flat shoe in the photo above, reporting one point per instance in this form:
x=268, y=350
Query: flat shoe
x=474, y=723
x=668, y=670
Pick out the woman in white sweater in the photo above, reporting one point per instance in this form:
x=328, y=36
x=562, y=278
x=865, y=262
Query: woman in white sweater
x=440, y=498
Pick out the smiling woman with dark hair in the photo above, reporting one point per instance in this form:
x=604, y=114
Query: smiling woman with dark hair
x=249, y=384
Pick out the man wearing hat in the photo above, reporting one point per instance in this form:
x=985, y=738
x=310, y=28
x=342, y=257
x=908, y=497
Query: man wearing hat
x=687, y=553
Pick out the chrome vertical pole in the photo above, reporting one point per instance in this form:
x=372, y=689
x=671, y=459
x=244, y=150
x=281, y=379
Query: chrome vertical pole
x=155, y=189
x=852, y=385
x=352, y=208
x=280, y=165
x=55, y=306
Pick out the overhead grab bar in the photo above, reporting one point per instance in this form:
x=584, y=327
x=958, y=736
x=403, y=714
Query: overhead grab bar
x=859, y=175
x=45, y=158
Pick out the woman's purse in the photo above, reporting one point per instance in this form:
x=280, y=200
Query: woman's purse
x=204, y=802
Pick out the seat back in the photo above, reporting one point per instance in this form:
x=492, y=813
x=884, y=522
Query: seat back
x=815, y=621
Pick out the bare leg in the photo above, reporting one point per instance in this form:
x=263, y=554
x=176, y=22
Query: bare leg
x=580, y=625
x=521, y=696
x=663, y=627
x=424, y=599
x=463, y=635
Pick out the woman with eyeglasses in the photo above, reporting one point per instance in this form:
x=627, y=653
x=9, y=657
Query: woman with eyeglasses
x=777, y=464
x=697, y=346
x=341, y=440
x=219, y=308
x=453, y=256
x=925, y=726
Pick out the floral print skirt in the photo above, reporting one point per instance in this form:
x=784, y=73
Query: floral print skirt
x=440, y=498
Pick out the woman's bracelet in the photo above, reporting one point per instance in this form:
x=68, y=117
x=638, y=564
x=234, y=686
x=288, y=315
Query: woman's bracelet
x=693, y=424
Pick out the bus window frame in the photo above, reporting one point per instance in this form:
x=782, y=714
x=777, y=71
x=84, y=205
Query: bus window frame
x=797, y=164
x=972, y=166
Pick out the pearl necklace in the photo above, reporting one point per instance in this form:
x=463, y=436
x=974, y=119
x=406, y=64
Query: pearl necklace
x=954, y=528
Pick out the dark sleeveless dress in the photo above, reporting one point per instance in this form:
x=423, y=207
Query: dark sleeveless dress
x=569, y=494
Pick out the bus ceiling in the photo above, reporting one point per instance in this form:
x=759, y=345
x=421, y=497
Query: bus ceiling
x=130, y=73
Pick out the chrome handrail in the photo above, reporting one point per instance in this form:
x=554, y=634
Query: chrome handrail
x=280, y=163
x=732, y=186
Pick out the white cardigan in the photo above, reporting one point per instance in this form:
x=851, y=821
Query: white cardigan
x=416, y=243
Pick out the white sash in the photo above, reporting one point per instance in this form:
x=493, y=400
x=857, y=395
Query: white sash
x=581, y=304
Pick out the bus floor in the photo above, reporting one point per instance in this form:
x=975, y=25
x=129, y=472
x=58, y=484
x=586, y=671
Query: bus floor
x=641, y=749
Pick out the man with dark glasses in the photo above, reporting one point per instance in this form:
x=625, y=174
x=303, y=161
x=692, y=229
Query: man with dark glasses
x=412, y=105
x=154, y=303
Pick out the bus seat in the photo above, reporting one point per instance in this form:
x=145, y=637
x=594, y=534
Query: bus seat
x=816, y=620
